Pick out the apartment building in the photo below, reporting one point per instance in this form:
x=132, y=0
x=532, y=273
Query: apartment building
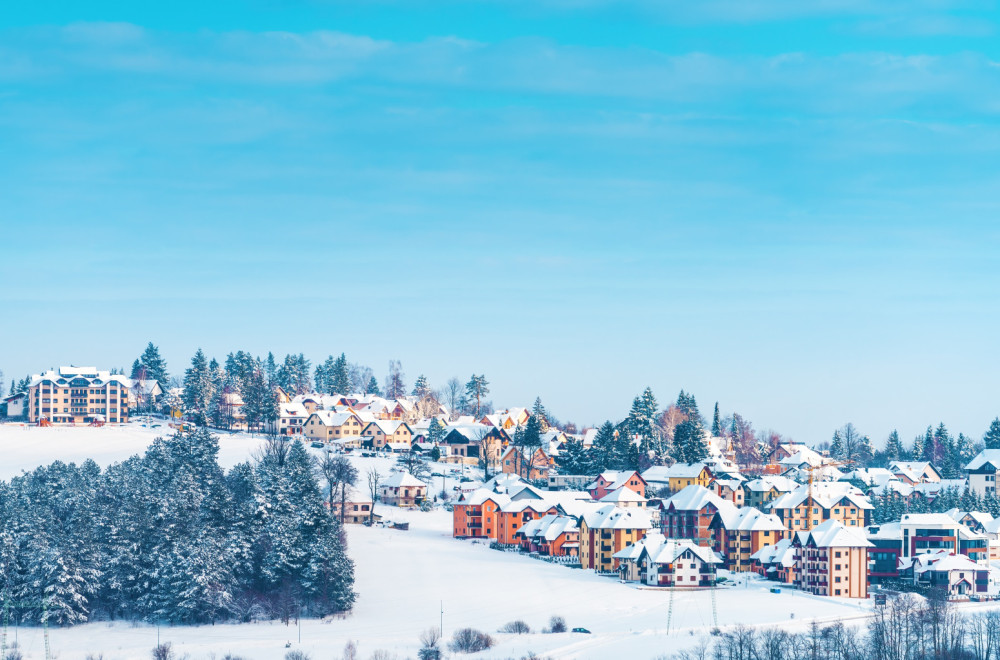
x=78, y=395
x=832, y=560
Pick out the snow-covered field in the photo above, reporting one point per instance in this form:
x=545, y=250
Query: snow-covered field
x=404, y=578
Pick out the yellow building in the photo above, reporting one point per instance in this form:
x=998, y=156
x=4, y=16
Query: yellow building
x=805, y=508
x=607, y=530
x=79, y=395
x=682, y=475
x=327, y=426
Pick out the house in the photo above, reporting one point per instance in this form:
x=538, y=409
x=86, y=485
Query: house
x=291, y=418
x=553, y=535
x=358, y=508
x=763, y=490
x=476, y=514
x=658, y=561
x=610, y=480
x=689, y=514
x=328, y=427
x=776, y=562
x=516, y=513
x=895, y=544
x=467, y=443
x=809, y=505
x=915, y=472
x=17, y=405
x=955, y=575
x=682, y=475
x=982, y=471
x=738, y=534
x=832, y=560
x=516, y=461
x=147, y=393
x=403, y=489
x=79, y=395
x=607, y=530
x=508, y=420
x=731, y=490
x=624, y=497
x=384, y=432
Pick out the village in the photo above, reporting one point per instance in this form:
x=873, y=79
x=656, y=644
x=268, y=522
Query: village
x=797, y=517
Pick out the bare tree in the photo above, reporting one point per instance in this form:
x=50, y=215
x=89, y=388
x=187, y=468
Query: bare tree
x=374, y=479
x=360, y=376
x=451, y=394
x=395, y=387
x=273, y=449
x=340, y=475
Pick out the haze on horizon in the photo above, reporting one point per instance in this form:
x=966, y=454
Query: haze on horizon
x=787, y=209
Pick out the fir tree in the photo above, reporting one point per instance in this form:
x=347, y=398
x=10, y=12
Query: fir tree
x=893, y=447
x=373, y=387
x=538, y=410
x=689, y=435
x=992, y=436
x=199, y=388
x=476, y=390
x=420, y=387
x=606, y=451
x=837, y=445
x=716, y=422
x=340, y=376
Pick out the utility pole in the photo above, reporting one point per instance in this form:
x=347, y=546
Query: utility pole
x=442, y=620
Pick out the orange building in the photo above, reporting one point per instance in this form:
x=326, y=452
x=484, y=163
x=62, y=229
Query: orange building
x=476, y=515
x=514, y=515
x=552, y=535
x=739, y=534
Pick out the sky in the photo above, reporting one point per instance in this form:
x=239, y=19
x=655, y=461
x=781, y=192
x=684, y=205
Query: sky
x=789, y=208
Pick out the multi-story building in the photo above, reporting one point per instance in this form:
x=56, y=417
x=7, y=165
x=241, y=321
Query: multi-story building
x=607, y=530
x=689, y=514
x=763, y=490
x=896, y=544
x=832, y=560
x=983, y=472
x=810, y=505
x=739, y=534
x=78, y=395
x=658, y=561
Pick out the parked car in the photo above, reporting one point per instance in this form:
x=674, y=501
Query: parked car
x=436, y=474
x=317, y=444
x=581, y=630
x=465, y=479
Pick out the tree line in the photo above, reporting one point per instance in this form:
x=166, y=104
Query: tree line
x=168, y=536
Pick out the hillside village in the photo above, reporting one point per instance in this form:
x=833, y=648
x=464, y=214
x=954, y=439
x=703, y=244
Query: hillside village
x=682, y=505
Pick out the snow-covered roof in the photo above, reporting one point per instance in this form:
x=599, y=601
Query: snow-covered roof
x=781, y=553
x=549, y=527
x=991, y=456
x=331, y=418
x=400, y=479
x=869, y=476
x=613, y=478
x=767, y=483
x=479, y=496
x=609, y=516
x=695, y=498
x=944, y=561
x=750, y=519
x=623, y=494
x=826, y=494
x=662, y=550
x=686, y=470
x=387, y=426
x=92, y=375
x=833, y=534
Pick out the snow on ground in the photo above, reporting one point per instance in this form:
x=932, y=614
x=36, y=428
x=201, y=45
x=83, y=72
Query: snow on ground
x=404, y=578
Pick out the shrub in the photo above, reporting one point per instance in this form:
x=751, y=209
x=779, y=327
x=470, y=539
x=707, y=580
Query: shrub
x=14, y=652
x=470, y=640
x=164, y=651
x=383, y=655
x=557, y=624
x=296, y=655
x=517, y=627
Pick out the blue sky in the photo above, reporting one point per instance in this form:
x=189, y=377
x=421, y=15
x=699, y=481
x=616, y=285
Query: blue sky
x=787, y=207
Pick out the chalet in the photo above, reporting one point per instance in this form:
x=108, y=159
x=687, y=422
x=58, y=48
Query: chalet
x=731, y=490
x=553, y=535
x=291, y=419
x=403, y=489
x=809, y=505
x=739, y=534
x=982, y=471
x=915, y=472
x=358, y=508
x=17, y=405
x=763, y=490
x=384, y=432
x=329, y=427
x=658, y=561
x=682, y=475
x=832, y=560
x=470, y=442
x=776, y=562
x=614, y=479
x=689, y=514
x=624, y=497
x=515, y=461
x=607, y=530
x=508, y=420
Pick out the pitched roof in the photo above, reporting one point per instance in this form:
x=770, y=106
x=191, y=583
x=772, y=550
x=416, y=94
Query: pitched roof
x=400, y=479
x=750, y=519
x=662, y=550
x=623, y=494
x=695, y=497
x=991, y=456
x=833, y=534
x=826, y=494
x=610, y=516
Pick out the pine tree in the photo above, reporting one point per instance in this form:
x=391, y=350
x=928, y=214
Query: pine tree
x=716, y=422
x=538, y=410
x=271, y=369
x=260, y=404
x=373, y=387
x=476, y=389
x=605, y=449
x=199, y=388
x=689, y=435
x=837, y=445
x=992, y=436
x=866, y=451
x=151, y=366
x=893, y=447
x=420, y=387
